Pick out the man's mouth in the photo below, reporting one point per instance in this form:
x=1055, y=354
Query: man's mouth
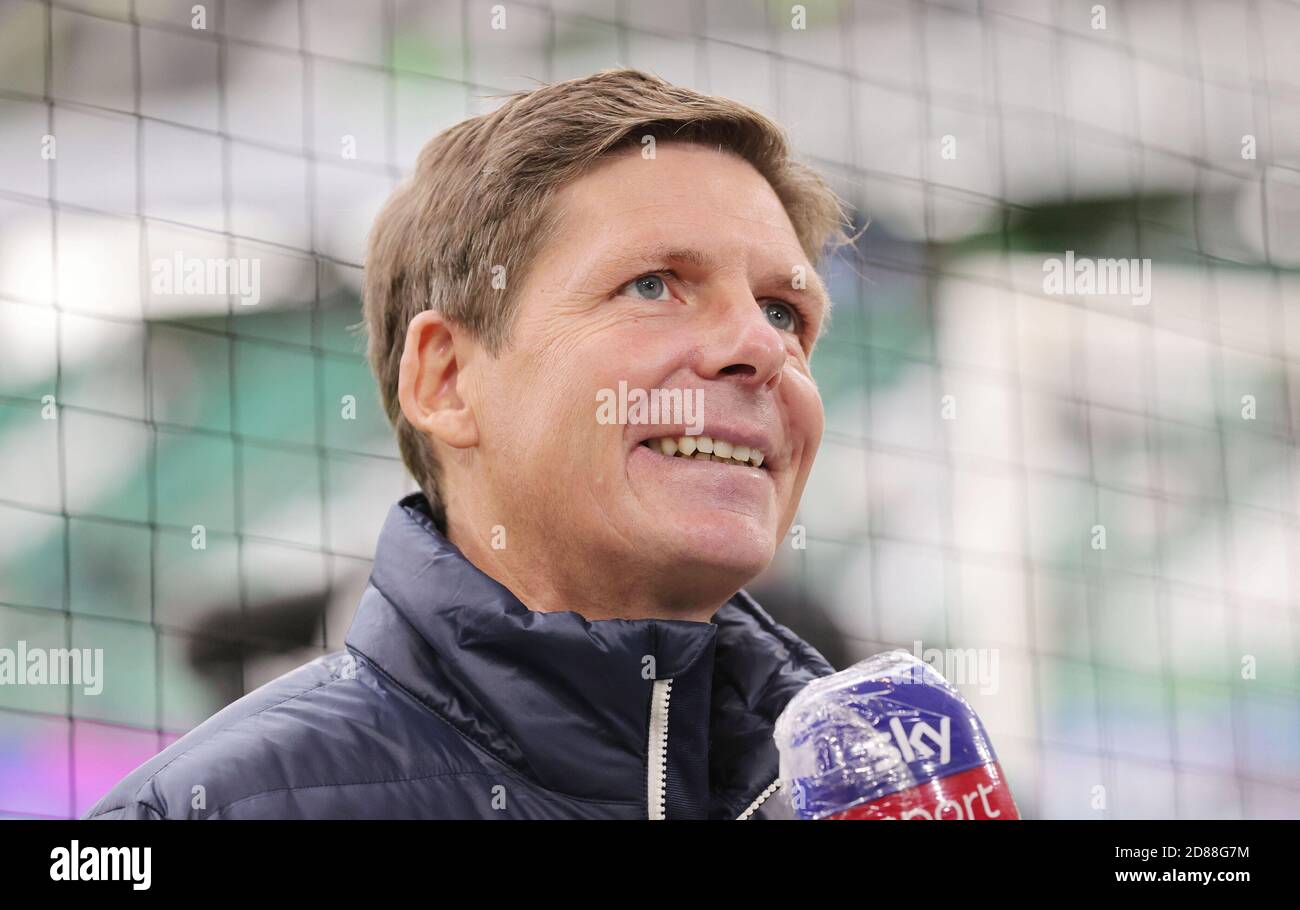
x=706, y=448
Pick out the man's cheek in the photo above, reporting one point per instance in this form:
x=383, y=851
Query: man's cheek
x=816, y=421
x=806, y=417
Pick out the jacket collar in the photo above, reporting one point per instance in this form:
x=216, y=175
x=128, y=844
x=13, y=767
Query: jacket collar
x=566, y=701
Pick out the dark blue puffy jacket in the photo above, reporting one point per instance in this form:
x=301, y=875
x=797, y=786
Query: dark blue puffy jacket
x=453, y=700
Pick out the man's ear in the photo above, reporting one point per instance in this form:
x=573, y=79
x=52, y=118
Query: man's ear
x=430, y=384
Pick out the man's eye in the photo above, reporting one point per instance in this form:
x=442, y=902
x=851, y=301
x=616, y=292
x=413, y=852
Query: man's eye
x=647, y=287
x=781, y=315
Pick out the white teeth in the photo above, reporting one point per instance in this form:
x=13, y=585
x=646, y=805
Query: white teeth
x=702, y=448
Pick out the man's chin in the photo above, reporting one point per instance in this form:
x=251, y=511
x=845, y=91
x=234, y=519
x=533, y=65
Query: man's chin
x=719, y=553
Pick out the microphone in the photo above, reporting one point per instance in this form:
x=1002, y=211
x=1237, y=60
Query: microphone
x=888, y=738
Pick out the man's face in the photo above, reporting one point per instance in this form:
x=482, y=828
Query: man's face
x=679, y=272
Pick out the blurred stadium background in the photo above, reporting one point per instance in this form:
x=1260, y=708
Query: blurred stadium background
x=1121, y=691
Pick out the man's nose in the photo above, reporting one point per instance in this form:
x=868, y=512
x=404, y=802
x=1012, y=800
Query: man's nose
x=742, y=346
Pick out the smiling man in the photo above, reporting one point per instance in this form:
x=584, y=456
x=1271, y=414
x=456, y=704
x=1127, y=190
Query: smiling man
x=555, y=626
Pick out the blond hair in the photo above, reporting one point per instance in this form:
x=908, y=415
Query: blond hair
x=478, y=201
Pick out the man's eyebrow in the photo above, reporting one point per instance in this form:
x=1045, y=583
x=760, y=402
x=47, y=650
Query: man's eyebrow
x=665, y=253
x=688, y=256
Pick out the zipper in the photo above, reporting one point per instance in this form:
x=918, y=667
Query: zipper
x=657, y=763
x=762, y=798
